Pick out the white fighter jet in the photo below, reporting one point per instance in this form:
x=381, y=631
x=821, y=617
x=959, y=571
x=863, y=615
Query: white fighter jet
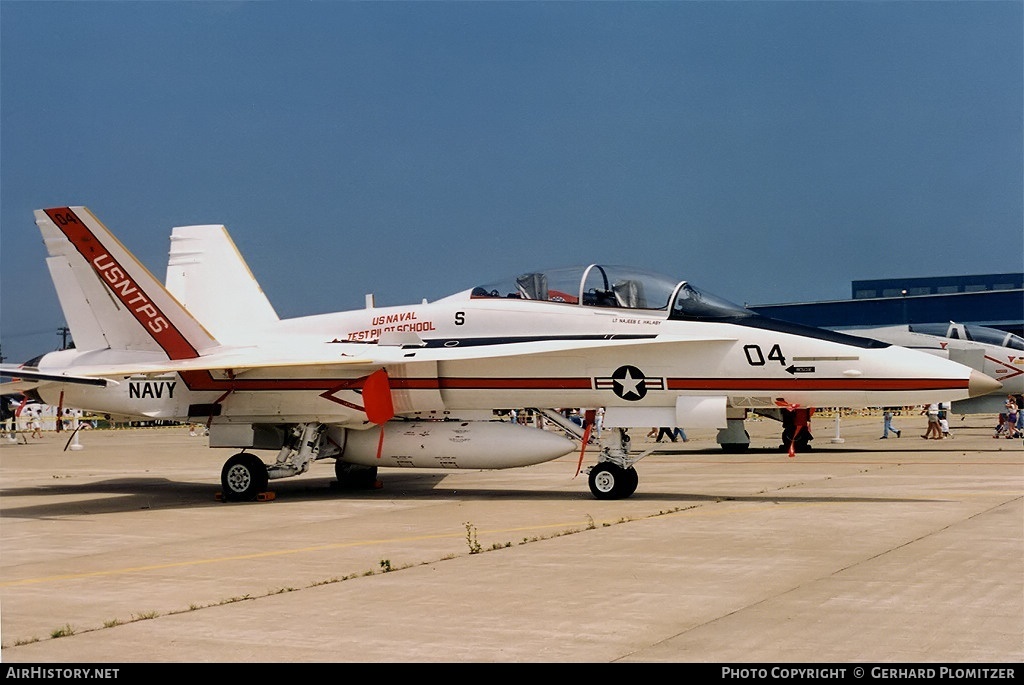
x=418, y=385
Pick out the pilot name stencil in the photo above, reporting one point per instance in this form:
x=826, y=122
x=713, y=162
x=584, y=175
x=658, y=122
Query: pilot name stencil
x=633, y=321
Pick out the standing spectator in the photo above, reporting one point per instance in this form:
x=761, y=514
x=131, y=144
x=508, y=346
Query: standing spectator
x=1000, y=425
x=887, y=426
x=934, y=431
x=1011, y=417
x=7, y=416
x=37, y=424
x=944, y=426
x=944, y=419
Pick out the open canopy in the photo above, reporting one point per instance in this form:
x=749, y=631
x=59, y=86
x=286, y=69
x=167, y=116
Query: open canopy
x=613, y=286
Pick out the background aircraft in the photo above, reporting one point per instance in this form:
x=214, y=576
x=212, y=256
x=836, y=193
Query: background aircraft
x=418, y=385
x=998, y=354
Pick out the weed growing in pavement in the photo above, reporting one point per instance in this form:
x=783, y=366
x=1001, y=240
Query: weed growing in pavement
x=63, y=631
x=474, y=546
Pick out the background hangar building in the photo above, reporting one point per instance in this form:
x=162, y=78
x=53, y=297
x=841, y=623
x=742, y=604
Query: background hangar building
x=991, y=300
x=991, y=304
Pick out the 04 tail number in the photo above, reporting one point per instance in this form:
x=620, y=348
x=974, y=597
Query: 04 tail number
x=755, y=357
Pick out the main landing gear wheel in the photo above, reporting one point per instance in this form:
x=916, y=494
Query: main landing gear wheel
x=243, y=477
x=610, y=481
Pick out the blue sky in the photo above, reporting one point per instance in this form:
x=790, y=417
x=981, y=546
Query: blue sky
x=766, y=151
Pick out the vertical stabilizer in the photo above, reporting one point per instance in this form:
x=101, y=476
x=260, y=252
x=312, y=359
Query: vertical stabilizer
x=81, y=300
x=209, y=276
x=128, y=309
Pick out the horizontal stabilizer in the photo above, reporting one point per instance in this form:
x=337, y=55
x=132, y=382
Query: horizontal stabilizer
x=237, y=365
x=22, y=374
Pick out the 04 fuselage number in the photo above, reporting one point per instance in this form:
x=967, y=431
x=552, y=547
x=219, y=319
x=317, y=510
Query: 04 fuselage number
x=756, y=357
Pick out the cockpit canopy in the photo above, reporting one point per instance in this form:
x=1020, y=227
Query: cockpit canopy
x=614, y=286
x=630, y=288
x=981, y=334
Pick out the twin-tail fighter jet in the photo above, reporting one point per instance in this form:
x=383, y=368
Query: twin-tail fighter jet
x=996, y=353
x=418, y=385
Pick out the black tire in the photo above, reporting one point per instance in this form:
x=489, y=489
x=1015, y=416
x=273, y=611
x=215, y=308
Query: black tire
x=630, y=480
x=243, y=477
x=355, y=476
x=609, y=481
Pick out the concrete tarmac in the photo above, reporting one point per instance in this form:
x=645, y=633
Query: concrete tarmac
x=861, y=550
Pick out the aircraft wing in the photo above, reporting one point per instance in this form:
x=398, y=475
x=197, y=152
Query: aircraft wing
x=358, y=356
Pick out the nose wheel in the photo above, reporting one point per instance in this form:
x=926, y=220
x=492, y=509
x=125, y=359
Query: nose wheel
x=611, y=481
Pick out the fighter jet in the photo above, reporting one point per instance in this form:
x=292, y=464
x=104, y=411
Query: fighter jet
x=419, y=385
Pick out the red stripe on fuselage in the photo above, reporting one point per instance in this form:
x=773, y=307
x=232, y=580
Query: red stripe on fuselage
x=673, y=384
x=514, y=383
x=782, y=385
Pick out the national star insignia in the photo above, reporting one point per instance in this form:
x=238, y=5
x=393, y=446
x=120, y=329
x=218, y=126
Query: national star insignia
x=629, y=385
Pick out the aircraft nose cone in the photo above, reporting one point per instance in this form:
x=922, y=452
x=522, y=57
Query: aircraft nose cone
x=980, y=384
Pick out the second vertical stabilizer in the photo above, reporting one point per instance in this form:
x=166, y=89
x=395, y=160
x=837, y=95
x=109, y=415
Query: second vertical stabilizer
x=208, y=275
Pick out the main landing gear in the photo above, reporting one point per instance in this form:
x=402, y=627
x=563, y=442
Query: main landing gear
x=244, y=477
